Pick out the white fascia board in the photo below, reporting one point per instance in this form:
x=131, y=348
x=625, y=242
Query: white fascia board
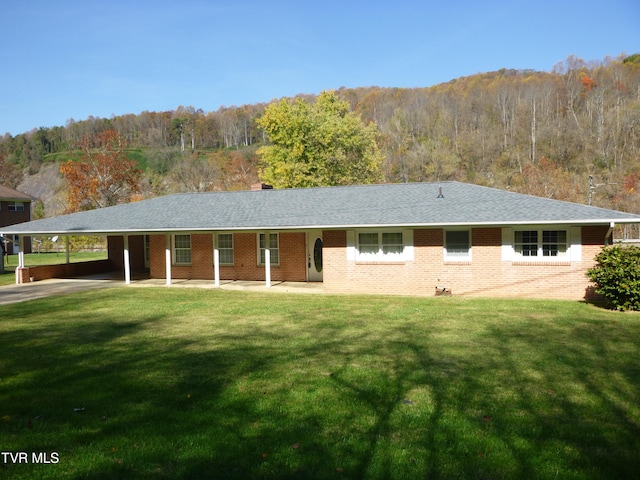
x=8, y=230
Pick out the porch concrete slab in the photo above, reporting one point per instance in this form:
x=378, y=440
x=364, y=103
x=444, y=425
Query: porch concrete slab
x=61, y=286
x=242, y=285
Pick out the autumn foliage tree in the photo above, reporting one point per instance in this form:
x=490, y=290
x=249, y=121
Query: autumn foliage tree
x=104, y=177
x=544, y=178
x=320, y=143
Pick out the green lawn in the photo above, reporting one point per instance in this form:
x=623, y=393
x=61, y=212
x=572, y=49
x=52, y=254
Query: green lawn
x=189, y=383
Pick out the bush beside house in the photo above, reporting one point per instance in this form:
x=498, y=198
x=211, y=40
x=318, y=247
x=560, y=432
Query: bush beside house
x=617, y=276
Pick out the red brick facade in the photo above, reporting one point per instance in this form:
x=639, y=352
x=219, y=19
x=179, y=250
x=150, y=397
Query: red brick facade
x=292, y=252
x=487, y=273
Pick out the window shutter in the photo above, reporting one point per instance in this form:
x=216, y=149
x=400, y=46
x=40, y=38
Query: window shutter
x=407, y=237
x=576, y=244
x=351, y=246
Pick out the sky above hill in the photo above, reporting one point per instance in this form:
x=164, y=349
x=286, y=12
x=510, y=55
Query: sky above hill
x=71, y=59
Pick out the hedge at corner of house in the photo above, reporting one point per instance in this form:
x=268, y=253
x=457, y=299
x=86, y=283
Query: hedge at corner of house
x=617, y=276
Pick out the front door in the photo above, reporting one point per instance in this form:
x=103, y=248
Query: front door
x=314, y=256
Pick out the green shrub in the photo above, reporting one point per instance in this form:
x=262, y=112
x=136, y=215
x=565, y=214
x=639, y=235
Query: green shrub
x=617, y=276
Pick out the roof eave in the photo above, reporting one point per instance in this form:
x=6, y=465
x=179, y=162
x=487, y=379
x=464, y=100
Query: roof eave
x=599, y=221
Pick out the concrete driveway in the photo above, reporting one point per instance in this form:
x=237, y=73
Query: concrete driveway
x=54, y=286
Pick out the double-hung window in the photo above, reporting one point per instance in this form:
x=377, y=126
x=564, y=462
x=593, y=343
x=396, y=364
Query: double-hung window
x=457, y=246
x=182, y=249
x=540, y=244
x=224, y=242
x=380, y=246
x=274, y=250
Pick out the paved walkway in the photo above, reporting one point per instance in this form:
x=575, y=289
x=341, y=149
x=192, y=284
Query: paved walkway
x=59, y=286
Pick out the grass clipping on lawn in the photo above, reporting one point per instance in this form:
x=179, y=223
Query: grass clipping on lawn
x=139, y=383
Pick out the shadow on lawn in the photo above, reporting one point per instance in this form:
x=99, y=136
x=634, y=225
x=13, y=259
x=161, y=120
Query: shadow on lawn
x=574, y=396
x=312, y=399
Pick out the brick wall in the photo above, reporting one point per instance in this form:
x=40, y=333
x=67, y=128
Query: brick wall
x=115, y=249
x=8, y=218
x=12, y=218
x=485, y=275
x=66, y=270
x=292, y=246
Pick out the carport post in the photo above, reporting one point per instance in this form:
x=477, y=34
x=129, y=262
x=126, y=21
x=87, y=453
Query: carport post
x=267, y=262
x=167, y=260
x=216, y=264
x=127, y=264
x=20, y=260
x=67, y=247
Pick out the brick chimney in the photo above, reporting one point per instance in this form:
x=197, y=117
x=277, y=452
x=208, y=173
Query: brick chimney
x=261, y=186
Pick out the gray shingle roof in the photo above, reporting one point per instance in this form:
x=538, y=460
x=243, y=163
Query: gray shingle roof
x=414, y=204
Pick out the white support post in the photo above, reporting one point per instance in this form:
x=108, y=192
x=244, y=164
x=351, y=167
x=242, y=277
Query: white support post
x=267, y=262
x=20, y=260
x=21, y=257
x=127, y=264
x=21, y=251
x=168, y=259
x=216, y=265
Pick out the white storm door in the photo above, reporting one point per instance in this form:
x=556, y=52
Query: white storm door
x=314, y=256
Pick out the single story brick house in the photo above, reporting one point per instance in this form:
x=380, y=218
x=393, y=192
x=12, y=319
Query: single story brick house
x=400, y=239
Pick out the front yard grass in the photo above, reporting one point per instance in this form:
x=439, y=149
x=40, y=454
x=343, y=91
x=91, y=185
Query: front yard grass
x=188, y=383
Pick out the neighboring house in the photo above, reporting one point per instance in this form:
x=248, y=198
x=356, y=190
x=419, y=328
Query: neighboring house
x=399, y=239
x=15, y=207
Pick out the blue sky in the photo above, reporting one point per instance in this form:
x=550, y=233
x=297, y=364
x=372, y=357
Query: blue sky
x=72, y=59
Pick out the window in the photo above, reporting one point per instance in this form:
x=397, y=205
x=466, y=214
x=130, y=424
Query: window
x=392, y=243
x=224, y=242
x=182, y=249
x=380, y=246
x=457, y=245
x=554, y=243
x=526, y=243
x=540, y=243
x=274, y=251
x=15, y=206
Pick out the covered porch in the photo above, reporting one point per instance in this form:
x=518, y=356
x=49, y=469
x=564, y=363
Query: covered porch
x=215, y=257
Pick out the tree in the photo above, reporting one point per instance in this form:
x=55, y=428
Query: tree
x=104, y=177
x=9, y=174
x=321, y=143
x=544, y=179
x=195, y=174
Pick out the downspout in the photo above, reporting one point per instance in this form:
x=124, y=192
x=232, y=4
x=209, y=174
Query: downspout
x=609, y=233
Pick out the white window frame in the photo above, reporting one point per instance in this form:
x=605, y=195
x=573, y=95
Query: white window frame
x=355, y=254
x=175, y=249
x=450, y=256
x=274, y=252
x=573, y=252
x=15, y=207
x=225, y=249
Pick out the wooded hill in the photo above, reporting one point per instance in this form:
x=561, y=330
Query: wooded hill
x=543, y=133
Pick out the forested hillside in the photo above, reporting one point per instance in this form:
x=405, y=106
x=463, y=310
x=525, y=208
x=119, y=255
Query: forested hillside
x=543, y=133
